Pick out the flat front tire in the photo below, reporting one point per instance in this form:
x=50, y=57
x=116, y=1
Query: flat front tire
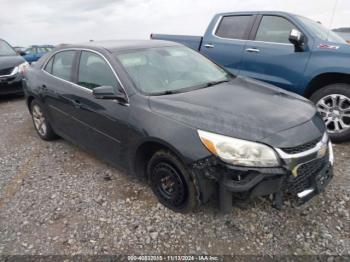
x=171, y=182
x=333, y=103
x=40, y=121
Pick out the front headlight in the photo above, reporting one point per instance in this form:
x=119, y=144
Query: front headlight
x=22, y=68
x=239, y=152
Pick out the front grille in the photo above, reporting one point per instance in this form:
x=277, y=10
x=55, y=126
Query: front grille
x=301, y=148
x=6, y=71
x=306, y=173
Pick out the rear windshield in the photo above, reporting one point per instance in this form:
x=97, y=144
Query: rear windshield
x=6, y=49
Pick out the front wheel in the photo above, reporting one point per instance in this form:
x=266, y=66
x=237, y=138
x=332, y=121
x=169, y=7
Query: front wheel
x=333, y=103
x=171, y=182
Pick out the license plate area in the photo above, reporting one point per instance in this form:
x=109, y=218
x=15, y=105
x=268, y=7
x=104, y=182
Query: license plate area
x=322, y=179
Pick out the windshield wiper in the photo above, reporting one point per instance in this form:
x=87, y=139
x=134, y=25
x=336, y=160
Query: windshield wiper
x=167, y=92
x=183, y=90
x=213, y=83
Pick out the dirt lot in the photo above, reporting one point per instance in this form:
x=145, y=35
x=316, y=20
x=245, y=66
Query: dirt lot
x=57, y=199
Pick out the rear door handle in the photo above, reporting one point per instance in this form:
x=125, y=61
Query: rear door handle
x=209, y=46
x=252, y=50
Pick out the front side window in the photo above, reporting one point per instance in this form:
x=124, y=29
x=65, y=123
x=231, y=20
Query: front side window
x=274, y=29
x=233, y=27
x=6, y=49
x=94, y=71
x=170, y=69
x=62, y=64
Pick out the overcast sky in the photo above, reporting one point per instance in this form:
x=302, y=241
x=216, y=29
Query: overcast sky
x=25, y=22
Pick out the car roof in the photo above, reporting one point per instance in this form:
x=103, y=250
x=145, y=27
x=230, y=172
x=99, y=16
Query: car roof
x=114, y=46
x=41, y=46
x=257, y=13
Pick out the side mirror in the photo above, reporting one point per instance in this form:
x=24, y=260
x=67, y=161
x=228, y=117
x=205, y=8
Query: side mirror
x=22, y=53
x=108, y=92
x=297, y=39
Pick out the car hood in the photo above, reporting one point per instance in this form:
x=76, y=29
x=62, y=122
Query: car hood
x=242, y=108
x=10, y=61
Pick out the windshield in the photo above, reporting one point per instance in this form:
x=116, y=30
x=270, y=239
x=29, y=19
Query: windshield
x=170, y=70
x=321, y=32
x=6, y=49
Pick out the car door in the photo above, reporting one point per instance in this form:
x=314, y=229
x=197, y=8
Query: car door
x=270, y=56
x=103, y=123
x=57, y=90
x=225, y=44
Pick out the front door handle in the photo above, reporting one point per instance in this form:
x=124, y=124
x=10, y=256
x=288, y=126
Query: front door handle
x=76, y=103
x=252, y=50
x=209, y=46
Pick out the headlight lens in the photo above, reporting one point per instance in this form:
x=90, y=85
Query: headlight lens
x=22, y=68
x=239, y=152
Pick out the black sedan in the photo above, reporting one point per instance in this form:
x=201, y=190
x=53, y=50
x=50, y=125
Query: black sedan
x=168, y=114
x=11, y=66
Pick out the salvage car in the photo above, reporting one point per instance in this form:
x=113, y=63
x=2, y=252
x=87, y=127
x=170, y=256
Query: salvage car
x=11, y=65
x=166, y=113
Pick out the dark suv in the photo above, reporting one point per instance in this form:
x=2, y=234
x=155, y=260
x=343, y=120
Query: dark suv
x=11, y=65
x=165, y=112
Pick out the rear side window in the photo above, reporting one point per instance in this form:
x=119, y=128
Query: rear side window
x=48, y=67
x=234, y=27
x=94, y=71
x=62, y=64
x=274, y=29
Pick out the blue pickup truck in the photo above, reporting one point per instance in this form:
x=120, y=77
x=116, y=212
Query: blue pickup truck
x=34, y=52
x=286, y=50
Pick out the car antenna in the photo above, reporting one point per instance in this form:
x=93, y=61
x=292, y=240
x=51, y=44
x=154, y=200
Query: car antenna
x=332, y=17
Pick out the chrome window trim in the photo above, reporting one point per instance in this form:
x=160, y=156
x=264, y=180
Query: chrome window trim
x=74, y=84
x=246, y=40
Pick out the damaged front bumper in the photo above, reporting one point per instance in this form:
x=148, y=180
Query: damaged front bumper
x=302, y=175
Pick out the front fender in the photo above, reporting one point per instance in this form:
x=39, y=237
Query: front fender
x=327, y=61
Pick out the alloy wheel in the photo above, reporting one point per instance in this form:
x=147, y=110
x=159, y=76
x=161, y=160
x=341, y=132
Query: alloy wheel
x=335, y=111
x=39, y=120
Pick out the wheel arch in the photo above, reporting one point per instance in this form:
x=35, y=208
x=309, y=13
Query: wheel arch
x=325, y=79
x=29, y=101
x=145, y=150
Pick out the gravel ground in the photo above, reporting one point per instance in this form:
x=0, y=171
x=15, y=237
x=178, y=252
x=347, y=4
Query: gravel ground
x=57, y=199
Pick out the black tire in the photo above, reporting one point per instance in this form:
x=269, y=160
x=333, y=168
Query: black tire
x=335, y=89
x=180, y=195
x=48, y=134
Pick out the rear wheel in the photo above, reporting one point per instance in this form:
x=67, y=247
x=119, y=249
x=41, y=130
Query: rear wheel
x=171, y=182
x=40, y=121
x=333, y=103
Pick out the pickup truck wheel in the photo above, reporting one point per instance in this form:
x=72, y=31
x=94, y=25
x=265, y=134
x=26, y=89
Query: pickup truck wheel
x=171, y=182
x=40, y=121
x=333, y=103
